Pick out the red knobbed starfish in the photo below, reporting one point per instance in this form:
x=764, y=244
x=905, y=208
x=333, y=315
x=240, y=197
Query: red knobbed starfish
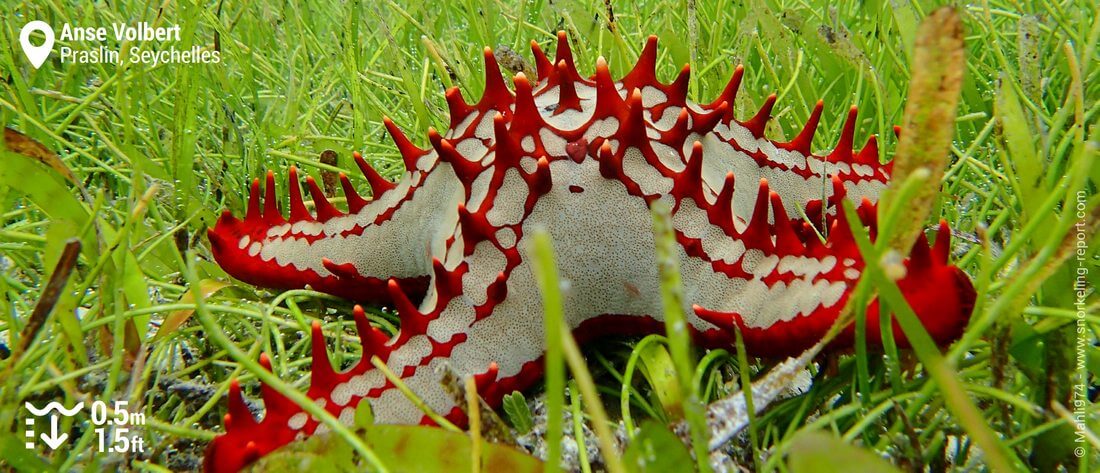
x=584, y=158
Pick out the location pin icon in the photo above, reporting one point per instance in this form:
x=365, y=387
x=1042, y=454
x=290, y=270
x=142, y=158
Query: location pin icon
x=37, y=54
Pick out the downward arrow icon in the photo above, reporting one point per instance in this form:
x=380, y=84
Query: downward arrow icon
x=54, y=440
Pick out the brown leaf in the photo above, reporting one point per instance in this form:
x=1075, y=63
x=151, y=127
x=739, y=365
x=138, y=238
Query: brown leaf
x=27, y=146
x=512, y=61
x=938, y=66
x=51, y=294
x=131, y=341
x=328, y=178
x=493, y=427
x=176, y=319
